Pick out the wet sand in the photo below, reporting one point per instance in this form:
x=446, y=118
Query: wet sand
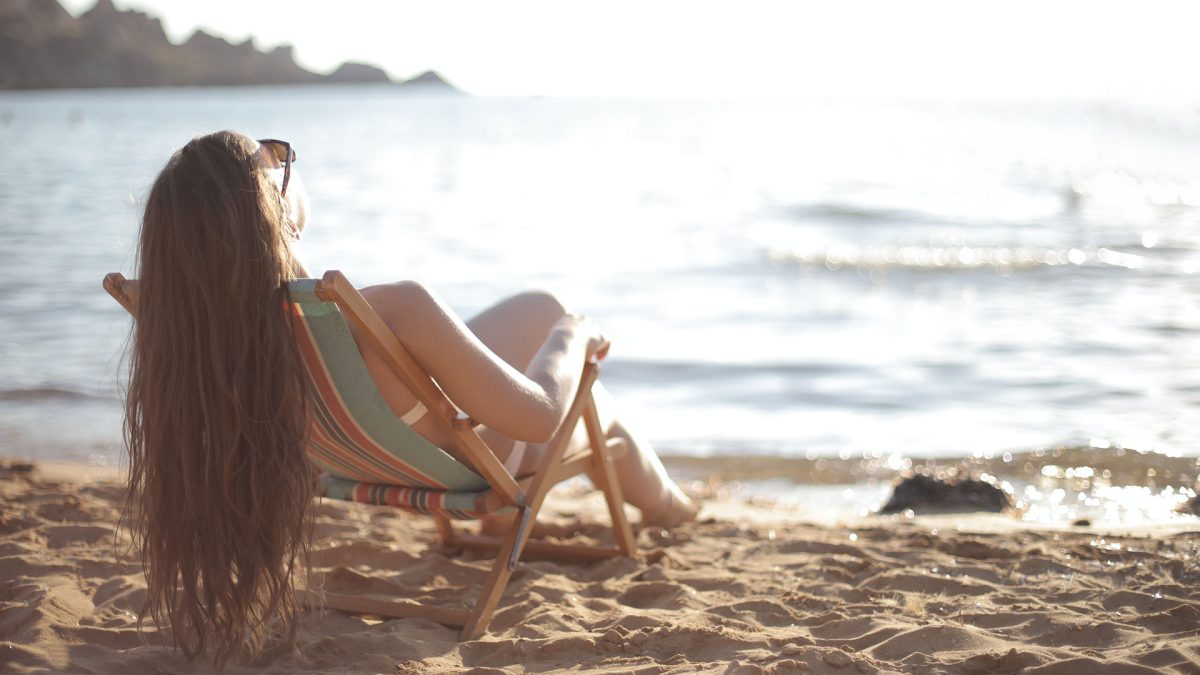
x=747, y=589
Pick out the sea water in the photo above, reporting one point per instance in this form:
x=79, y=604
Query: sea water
x=809, y=278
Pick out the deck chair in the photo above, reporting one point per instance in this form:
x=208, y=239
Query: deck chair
x=371, y=455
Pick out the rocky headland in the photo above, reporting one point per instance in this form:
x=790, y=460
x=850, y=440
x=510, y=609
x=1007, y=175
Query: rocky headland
x=43, y=47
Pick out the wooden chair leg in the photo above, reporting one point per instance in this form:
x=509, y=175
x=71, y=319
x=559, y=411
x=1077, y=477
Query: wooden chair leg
x=544, y=479
x=497, y=578
x=445, y=530
x=606, y=475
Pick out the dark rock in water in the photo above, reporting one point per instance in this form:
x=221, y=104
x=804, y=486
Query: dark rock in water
x=927, y=494
x=17, y=467
x=1191, y=506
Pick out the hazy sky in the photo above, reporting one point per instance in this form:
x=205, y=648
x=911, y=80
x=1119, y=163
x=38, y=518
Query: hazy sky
x=1012, y=48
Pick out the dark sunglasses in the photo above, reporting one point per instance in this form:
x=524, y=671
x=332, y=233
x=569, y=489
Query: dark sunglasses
x=285, y=154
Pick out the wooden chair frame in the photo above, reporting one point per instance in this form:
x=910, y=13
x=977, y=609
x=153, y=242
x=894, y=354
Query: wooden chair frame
x=525, y=495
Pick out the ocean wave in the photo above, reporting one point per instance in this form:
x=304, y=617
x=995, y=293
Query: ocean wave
x=43, y=394
x=1105, y=190
x=1000, y=258
x=852, y=212
x=1156, y=190
x=680, y=372
x=1098, y=462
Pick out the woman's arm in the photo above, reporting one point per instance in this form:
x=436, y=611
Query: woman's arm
x=524, y=406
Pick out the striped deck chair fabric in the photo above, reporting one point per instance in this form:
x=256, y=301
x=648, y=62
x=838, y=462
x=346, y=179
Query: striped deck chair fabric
x=368, y=454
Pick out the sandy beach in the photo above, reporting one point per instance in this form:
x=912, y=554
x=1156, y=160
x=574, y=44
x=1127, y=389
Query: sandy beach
x=747, y=589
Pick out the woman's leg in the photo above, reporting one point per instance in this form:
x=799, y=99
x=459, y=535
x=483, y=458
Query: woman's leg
x=515, y=329
x=644, y=480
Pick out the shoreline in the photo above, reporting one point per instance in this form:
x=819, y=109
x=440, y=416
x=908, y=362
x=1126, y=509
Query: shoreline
x=769, y=490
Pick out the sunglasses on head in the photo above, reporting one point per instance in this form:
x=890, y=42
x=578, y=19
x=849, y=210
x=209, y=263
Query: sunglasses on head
x=285, y=154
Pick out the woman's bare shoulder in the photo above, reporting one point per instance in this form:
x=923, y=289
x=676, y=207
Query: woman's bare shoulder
x=396, y=291
x=415, y=313
x=402, y=298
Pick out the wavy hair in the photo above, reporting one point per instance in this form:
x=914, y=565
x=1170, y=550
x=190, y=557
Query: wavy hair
x=220, y=489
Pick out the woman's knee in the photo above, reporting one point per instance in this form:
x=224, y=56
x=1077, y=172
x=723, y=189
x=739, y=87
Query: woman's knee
x=543, y=305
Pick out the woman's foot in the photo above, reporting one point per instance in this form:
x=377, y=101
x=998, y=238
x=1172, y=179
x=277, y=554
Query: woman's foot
x=676, y=508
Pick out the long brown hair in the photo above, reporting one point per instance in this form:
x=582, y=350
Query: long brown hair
x=219, y=485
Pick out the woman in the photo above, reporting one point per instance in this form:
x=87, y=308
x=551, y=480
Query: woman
x=216, y=417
